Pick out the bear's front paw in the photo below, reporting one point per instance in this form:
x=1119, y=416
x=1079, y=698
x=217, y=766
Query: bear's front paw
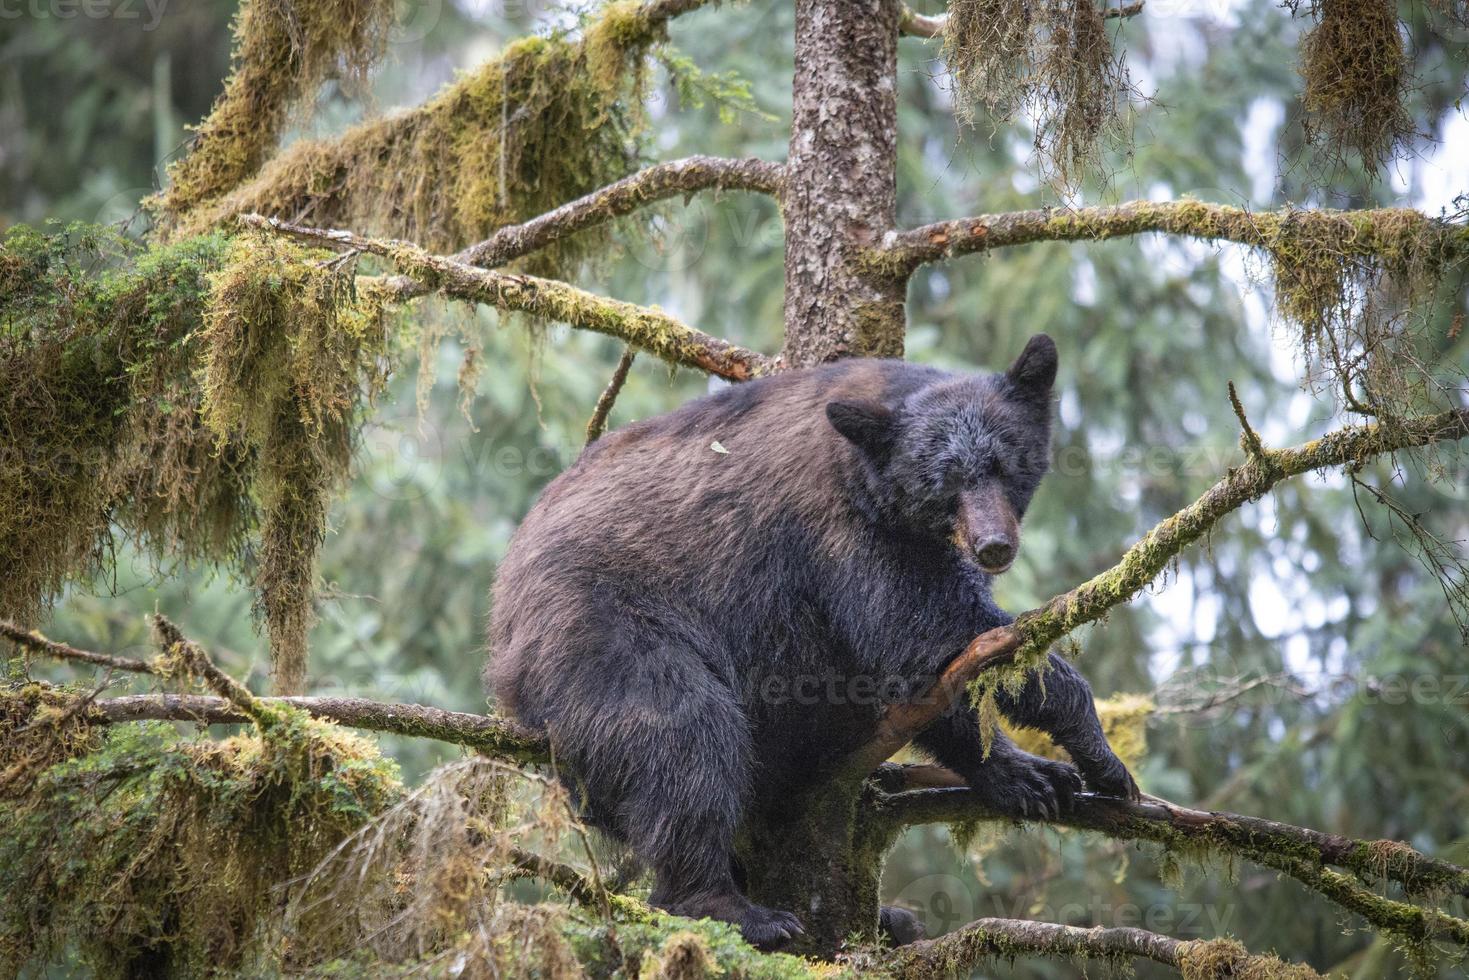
x=1031, y=787
x=899, y=926
x=1109, y=777
x=767, y=929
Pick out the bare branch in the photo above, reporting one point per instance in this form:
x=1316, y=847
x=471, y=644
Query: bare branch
x=937, y=795
x=34, y=641
x=656, y=183
x=956, y=953
x=902, y=252
x=914, y=24
x=1035, y=630
x=492, y=736
x=647, y=328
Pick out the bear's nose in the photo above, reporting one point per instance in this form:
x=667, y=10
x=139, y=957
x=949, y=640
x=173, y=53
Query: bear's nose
x=995, y=554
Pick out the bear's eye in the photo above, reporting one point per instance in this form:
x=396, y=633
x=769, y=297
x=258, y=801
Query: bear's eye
x=952, y=482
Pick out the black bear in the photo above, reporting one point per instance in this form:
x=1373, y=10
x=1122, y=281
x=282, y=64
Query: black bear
x=710, y=607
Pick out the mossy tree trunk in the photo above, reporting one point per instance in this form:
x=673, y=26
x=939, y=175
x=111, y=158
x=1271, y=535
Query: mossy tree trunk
x=819, y=856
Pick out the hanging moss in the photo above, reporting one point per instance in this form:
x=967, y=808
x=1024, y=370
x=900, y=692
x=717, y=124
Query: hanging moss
x=291, y=353
x=551, y=119
x=1226, y=959
x=284, y=50
x=158, y=855
x=1357, y=75
x=1055, y=63
x=99, y=429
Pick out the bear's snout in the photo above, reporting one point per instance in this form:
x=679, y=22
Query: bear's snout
x=988, y=529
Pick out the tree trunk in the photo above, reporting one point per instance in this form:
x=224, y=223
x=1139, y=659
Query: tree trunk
x=820, y=857
x=841, y=187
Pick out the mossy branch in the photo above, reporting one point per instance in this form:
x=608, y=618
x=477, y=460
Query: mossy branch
x=548, y=120
x=957, y=953
x=931, y=794
x=483, y=733
x=1376, y=232
x=621, y=198
x=1033, y=631
x=1298, y=852
x=282, y=53
x=647, y=328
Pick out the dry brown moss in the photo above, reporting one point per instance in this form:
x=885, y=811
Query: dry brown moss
x=551, y=119
x=1357, y=75
x=1225, y=959
x=1053, y=61
x=291, y=353
x=284, y=50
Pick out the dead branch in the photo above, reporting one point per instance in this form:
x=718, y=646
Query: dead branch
x=1035, y=630
x=958, y=952
x=656, y=183
x=34, y=641
x=902, y=252
x=597, y=424
x=647, y=328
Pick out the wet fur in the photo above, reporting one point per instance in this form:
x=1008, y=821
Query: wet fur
x=675, y=617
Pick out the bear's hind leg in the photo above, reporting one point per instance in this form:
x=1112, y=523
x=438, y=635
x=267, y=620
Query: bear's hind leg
x=669, y=760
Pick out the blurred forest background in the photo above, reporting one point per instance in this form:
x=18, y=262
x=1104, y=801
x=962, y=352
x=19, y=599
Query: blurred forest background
x=1303, y=665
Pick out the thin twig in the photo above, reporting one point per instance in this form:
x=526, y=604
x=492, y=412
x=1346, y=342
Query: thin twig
x=597, y=424
x=32, y=640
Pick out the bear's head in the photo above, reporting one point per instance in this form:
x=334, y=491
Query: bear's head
x=958, y=460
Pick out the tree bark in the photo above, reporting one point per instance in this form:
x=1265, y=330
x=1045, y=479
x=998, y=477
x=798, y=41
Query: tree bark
x=841, y=191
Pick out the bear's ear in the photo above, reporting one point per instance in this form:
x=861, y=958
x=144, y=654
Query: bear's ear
x=869, y=425
x=1034, y=371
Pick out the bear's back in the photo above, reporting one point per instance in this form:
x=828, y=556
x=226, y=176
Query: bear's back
x=707, y=515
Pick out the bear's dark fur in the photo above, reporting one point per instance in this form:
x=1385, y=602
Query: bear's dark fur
x=711, y=607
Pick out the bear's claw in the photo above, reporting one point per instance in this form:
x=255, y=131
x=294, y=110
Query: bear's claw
x=766, y=928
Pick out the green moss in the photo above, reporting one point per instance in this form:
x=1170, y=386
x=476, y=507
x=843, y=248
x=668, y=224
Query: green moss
x=291, y=353
x=156, y=854
x=1226, y=959
x=282, y=54
x=549, y=120
x=99, y=412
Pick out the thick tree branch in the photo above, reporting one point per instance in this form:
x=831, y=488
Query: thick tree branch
x=902, y=252
x=644, y=327
x=1037, y=629
x=492, y=736
x=1295, y=851
x=616, y=200
x=957, y=953
x=937, y=795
